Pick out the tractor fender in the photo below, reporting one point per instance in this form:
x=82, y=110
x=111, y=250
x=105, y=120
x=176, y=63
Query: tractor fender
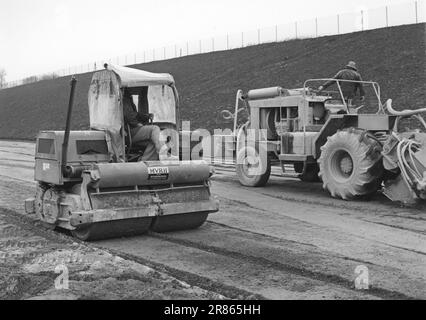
x=333, y=124
x=366, y=122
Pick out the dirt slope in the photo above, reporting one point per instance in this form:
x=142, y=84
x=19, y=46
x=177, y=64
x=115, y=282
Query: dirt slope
x=395, y=57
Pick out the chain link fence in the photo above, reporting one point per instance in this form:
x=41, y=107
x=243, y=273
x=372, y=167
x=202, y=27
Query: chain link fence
x=389, y=16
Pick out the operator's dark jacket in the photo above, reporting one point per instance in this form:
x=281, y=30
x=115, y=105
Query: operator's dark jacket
x=130, y=113
x=131, y=116
x=349, y=89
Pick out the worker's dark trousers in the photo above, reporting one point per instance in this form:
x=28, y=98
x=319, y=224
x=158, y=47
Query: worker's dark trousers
x=150, y=136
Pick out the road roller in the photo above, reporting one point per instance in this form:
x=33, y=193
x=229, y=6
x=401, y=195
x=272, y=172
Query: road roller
x=94, y=184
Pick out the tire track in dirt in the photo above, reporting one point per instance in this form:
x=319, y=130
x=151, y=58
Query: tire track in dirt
x=377, y=210
x=313, y=258
x=15, y=179
x=16, y=165
x=16, y=152
x=227, y=271
x=280, y=267
x=196, y=280
x=350, y=208
x=327, y=218
x=7, y=161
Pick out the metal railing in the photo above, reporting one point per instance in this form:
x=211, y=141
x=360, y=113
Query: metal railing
x=337, y=82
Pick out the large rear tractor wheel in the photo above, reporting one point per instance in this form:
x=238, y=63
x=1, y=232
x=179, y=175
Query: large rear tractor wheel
x=253, y=167
x=351, y=164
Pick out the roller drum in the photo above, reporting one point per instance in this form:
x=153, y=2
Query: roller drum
x=117, y=175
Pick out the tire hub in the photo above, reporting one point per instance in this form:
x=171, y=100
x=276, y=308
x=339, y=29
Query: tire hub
x=251, y=165
x=346, y=165
x=342, y=165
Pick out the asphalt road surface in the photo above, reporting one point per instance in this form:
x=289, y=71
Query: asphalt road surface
x=288, y=240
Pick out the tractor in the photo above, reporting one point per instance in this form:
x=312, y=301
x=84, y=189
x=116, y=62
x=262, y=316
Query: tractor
x=353, y=149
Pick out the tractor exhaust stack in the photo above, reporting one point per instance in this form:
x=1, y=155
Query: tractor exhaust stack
x=68, y=127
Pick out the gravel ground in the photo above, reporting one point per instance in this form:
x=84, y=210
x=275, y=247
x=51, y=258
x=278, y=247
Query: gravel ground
x=33, y=260
x=288, y=240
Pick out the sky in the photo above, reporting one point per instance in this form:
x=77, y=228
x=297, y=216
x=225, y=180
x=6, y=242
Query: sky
x=40, y=36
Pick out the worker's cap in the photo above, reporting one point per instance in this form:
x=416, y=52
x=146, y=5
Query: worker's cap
x=352, y=65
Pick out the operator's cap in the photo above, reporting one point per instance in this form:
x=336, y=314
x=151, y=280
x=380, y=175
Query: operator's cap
x=352, y=65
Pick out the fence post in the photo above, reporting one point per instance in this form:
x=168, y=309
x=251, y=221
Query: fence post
x=316, y=27
x=227, y=42
x=136, y=59
x=201, y=50
x=175, y=51
x=276, y=33
x=362, y=20
x=164, y=50
x=258, y=36
x=338, y=24
x=187, y=48
x=295, y=24
x=387, y=17
x=153, y=54
x=242, y=39
x=144, y=56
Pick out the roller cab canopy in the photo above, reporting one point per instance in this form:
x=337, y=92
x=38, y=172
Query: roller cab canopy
x=151, y=92
x=133, y=78
x=105, y=103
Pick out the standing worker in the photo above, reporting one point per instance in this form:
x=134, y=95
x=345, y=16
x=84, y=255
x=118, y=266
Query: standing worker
x=349, y=89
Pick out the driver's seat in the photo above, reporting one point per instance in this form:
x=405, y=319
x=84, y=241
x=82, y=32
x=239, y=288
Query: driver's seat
x=133, y=151
x=335, y=106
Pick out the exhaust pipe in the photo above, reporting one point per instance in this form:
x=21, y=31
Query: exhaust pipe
x=68, y=128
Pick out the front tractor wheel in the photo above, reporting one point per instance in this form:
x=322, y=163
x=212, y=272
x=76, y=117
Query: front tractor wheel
x=253, y=167
x=351, y=164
